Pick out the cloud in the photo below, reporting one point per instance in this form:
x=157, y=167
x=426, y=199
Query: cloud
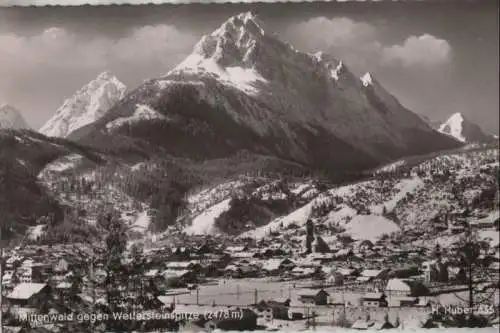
x=56, y=62
x=359, y=45
x=58, y=48
x=354, y=42
x=423, y=50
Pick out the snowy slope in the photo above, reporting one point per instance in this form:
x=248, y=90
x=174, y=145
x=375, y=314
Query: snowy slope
x=89, y=104
x=204, y=224
x=11, y=118
x=359, y=224
x=399, y=200
x=143, y=112
x=462, y=129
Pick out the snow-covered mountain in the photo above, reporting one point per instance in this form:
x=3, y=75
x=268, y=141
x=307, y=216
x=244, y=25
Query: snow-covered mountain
x=11, y=118
x=242, y=88
x=89, y=104
x=463, y=129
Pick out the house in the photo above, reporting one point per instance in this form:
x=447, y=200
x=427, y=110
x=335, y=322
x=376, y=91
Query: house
x=30, y=271
x=335, y=279
x=63, y=290
x=184, y=276
x=374, y=274
x=167, y=302
x=344, y=254
x=374, y=300
x=231, y=271
x=314, y=297
x=279, y=307
x=243, y=255
x=276, y=266
x=423, y=303
x=29, y=294
x=301, y=272
x=346, y=272
x=236, y=249
x=184, y=265
x=241, y=271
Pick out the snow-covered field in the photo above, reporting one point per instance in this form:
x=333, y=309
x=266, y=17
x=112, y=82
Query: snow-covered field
x=370, y=227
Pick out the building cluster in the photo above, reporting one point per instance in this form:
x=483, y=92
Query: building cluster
x=60, y=279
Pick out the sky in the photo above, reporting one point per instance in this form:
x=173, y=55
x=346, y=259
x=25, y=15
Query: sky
x=437, y=58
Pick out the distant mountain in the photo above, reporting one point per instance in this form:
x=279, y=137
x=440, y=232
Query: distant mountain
x=243, y=89
x=11, y=118
x=89, y=104
x=463, y=130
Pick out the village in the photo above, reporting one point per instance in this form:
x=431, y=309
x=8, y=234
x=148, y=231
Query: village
x=267, y=284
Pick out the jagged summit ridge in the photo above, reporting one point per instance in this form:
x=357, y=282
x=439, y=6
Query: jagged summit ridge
x=259, y=93
x=242, y=55
x=11, y=118
x=88, y=104
x=234, y=42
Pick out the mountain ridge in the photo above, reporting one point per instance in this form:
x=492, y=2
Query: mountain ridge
x=261, y=94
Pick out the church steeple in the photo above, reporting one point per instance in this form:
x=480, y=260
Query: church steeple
x=309, y=235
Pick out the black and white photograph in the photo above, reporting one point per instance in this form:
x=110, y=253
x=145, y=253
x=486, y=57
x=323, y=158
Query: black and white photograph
x=222, y=167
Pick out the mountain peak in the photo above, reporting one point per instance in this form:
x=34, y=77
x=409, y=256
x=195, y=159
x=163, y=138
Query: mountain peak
x=233, y=43
x=462, y=129
x=457, y=116
x=89, y=103
x=243, y=22
x=367, y=79
x=454, y=127
x=10, y=117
